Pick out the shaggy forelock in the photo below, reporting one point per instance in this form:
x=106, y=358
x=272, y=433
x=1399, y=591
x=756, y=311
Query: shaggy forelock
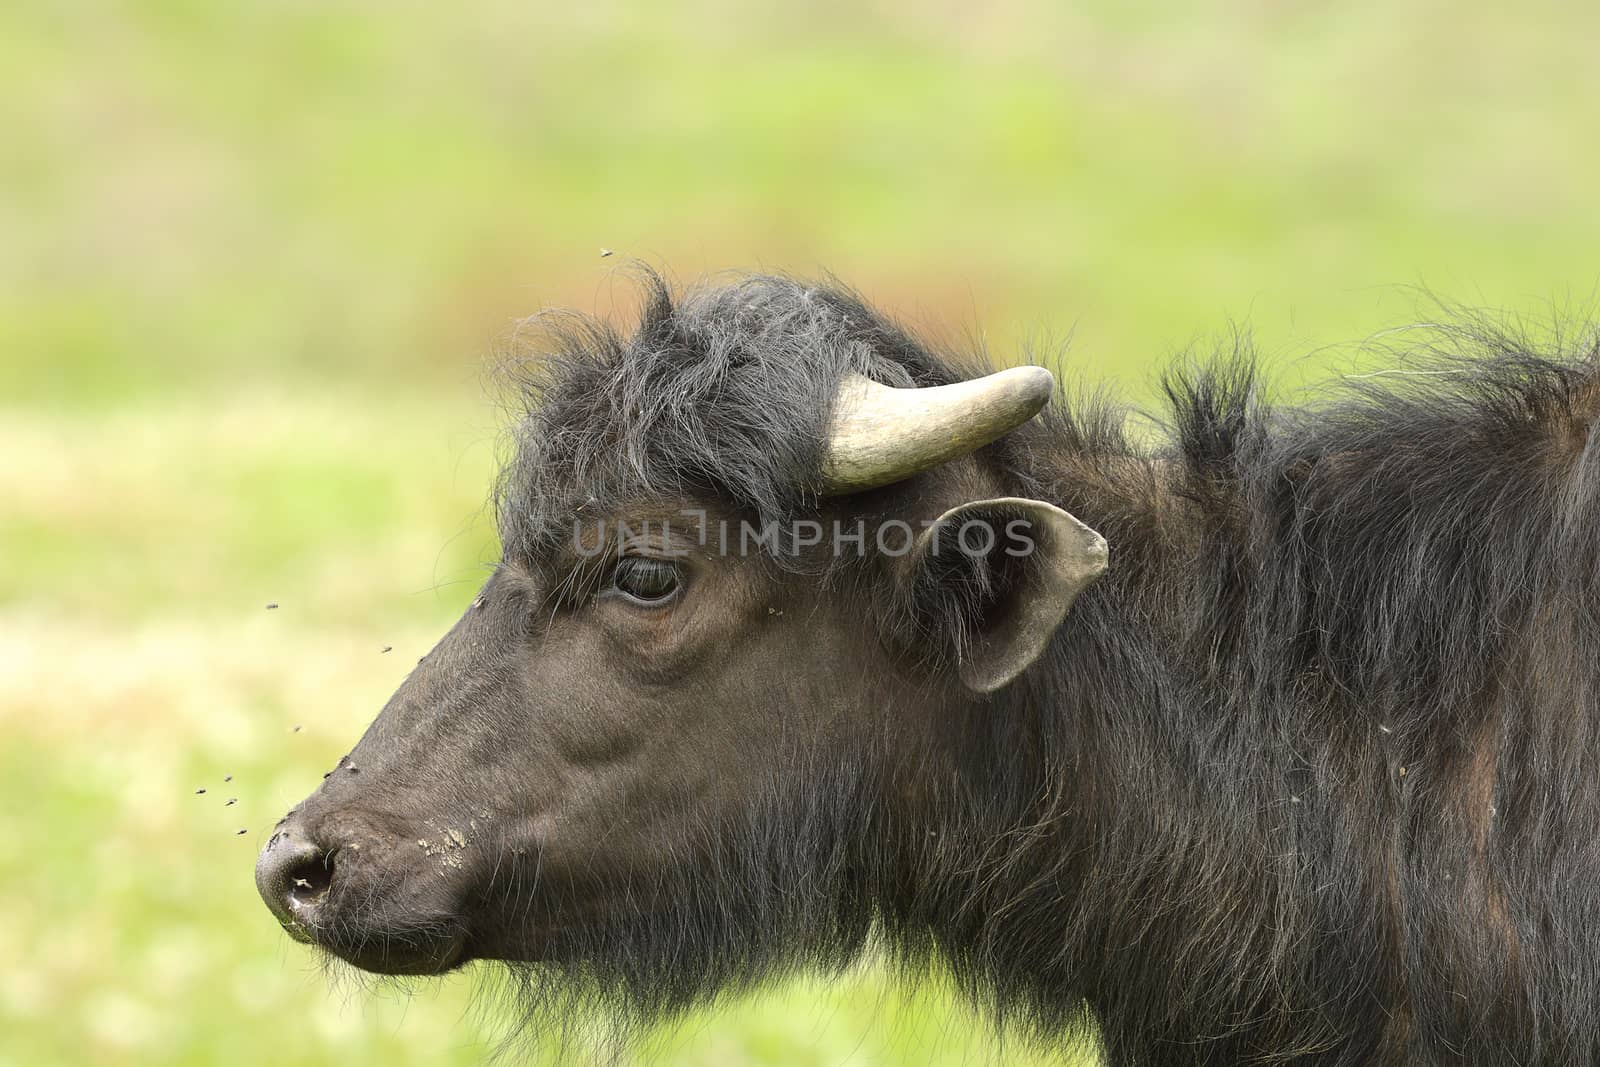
x=720, y=392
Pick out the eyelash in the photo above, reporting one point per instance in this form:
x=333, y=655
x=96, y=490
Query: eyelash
x=645, y=581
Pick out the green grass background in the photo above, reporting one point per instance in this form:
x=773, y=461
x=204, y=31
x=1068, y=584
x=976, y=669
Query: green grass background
x=254, y=254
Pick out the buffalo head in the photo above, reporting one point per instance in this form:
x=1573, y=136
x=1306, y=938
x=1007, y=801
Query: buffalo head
x=763, y=575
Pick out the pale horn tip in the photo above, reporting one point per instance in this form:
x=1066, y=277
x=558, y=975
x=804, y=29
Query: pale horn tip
x=1033, y=385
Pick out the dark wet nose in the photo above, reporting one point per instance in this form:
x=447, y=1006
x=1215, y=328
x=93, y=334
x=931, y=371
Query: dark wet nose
x=293, y=875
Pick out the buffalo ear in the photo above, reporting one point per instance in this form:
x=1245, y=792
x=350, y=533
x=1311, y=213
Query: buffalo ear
x=995, y=578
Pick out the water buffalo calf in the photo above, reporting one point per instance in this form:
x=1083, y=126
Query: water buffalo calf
x=1267, y=736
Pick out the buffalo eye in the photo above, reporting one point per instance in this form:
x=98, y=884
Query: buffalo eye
x=644, y=581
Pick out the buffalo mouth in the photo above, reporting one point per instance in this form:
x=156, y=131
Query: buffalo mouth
x=396, y=952
x=410, y=946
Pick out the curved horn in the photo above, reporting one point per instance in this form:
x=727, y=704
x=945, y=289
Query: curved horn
x=881, y=435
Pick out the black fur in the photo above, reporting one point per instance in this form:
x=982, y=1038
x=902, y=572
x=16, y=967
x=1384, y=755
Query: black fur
x=1308, y=777
x=720, y=392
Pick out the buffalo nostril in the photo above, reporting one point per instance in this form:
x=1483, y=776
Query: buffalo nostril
x=293, y=875
x=310, y=880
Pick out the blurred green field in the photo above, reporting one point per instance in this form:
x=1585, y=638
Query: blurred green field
x=254, y=256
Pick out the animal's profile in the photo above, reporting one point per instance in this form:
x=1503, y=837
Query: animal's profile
x=1271, y=739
